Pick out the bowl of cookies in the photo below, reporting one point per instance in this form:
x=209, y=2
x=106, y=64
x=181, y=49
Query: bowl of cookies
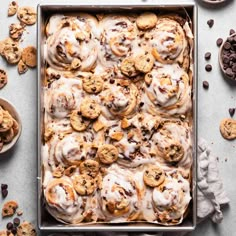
x=10, y=126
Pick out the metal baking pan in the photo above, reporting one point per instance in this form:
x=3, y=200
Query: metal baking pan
x=45, y=221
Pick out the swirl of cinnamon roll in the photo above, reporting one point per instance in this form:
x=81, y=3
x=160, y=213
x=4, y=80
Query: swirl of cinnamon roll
x=71, y=149
x=119, y=99
x=119, y=196
x=172, y=143
x=171, y=199
x=168, y=41
x=62, y=202
x=63, y=96
x=118, y=34
x=71, y=46
x=168, y=89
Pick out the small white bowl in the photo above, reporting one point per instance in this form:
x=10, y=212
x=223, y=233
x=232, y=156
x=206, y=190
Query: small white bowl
x=214, y=2
x=6, y=105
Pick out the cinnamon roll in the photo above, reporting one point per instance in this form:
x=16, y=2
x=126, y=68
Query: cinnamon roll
x=168, y=91
x=172, y=143
x=171, y=199
x=168, y=42
x=119, y=196
x=71, y=44
x=63, y=96
x=118, y=37
x=64, y=204
x=71, y=149
x=119, y=99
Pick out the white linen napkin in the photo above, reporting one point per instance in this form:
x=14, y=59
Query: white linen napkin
x=210, y=194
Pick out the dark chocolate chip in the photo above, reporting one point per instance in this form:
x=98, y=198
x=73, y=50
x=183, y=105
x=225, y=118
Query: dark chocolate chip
x=207, y=55
x=16, y=221
x=4, y=186
x=4, y=193
x=234, y=68
x=226, y=60
x=231, y=32
x=232, y=57
x=229, y=72
x=219, y=41
x=205, y=84
x=210, y=23
x=112, y=81
x=227, y=46
x=9, y=226
x=14, y=230
x=231, y=111
x=141, y=104
x=208, y=67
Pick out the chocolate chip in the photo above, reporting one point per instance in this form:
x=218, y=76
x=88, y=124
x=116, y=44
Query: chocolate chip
x=231, y=32
x=16, y=221
x=227, y=46
x=112, y=81
x=4, y=186
x=4, y=193
x=226, y=60
x=229, y=72
x=234, y=68
x=141, y=104
x=14, y=230
x=231, y=111
x=207, y=55
x=219, y=41
x=9, y=226
x=205, y=84
x=208, y=67
x=210, y=23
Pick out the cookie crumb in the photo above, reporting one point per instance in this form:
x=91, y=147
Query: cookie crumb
x=19, y=213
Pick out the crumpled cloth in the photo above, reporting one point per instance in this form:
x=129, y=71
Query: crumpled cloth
x=210, y=194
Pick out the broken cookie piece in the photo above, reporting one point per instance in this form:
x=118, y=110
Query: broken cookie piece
x=9, y=208
x=22, y=67
x=16, y=31
x=12, y=8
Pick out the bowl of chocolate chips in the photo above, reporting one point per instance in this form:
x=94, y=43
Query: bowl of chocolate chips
x=227, y=57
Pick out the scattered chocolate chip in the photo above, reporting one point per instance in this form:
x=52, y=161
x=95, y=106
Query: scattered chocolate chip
x=231, y=111
x=14, y=230
x=210, y=23
x=4, y=193
x=208, y=67
x=205, y=84
x=16, y=221
x=219, y=41
x=207, y=55
x=227, y=46
x=4, y=186
x=9, y=226
x=231, y=32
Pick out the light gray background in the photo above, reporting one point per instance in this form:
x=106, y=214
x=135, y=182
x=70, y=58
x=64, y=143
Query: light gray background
x=18, y=167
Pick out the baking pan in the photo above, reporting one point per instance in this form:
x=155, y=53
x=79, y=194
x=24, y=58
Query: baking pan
x=45, y=221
